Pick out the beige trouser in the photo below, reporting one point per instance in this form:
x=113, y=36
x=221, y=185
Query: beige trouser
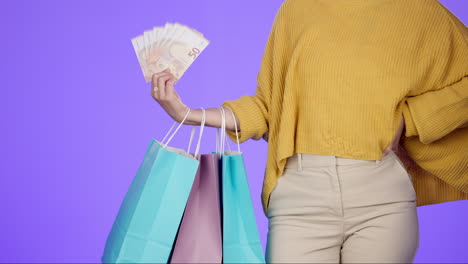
x=329, y=209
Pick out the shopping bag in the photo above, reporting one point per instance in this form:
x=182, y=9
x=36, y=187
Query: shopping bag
x=241, y=240
x=199, y=239
x=148, y=219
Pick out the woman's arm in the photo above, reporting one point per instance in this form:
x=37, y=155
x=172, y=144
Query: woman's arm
x=162, y=90
x=213, y=118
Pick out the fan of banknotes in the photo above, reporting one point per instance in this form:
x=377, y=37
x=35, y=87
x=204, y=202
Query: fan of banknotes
x=173, y=46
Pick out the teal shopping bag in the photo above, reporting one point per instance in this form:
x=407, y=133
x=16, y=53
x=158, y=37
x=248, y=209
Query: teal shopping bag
x=150, y=214
x=241, y=240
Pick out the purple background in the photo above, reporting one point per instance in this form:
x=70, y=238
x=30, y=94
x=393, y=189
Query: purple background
x=77, y=118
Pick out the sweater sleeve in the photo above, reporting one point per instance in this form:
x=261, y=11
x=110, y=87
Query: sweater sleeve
x=252, y=111
x=437, y=111
x=434, y=114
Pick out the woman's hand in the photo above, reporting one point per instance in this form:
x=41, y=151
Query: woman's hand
x=162, y=90
x=394, y=144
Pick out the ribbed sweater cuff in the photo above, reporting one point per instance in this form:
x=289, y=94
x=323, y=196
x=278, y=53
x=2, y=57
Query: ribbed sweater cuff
x=251, y=121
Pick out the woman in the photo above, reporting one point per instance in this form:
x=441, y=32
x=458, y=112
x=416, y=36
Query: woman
x=341, y=82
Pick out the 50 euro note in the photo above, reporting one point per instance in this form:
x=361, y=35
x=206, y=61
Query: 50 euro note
x=173, y=46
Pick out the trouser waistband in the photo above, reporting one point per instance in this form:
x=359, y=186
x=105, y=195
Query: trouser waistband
x=304, y=160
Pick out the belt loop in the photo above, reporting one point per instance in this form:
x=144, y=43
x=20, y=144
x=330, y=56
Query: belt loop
x=299, y=161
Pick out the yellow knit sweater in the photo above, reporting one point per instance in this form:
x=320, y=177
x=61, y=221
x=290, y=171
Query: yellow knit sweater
x=337, y=76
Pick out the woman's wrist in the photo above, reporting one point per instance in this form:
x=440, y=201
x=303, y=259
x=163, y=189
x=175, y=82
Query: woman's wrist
x=183, y=113
x=212, y=117
x=193, y=118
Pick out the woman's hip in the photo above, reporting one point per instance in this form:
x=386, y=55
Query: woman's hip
x=313, y=183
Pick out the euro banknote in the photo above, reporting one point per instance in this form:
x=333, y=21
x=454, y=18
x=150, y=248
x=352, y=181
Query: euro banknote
x=174, y=46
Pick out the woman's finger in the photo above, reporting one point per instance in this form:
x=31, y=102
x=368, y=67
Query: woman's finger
x=170, y=90
x=158, y=89
x=170, y=86
x=156, y=81
x=162, y=85
x=155, y=89
x=155, y=76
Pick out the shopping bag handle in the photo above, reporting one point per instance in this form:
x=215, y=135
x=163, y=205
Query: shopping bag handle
x=219, y=141
x=200, y=134
x=177, y=129
x=224, y=134
x=168, y=132
x=235, y=127
x=224, y=142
